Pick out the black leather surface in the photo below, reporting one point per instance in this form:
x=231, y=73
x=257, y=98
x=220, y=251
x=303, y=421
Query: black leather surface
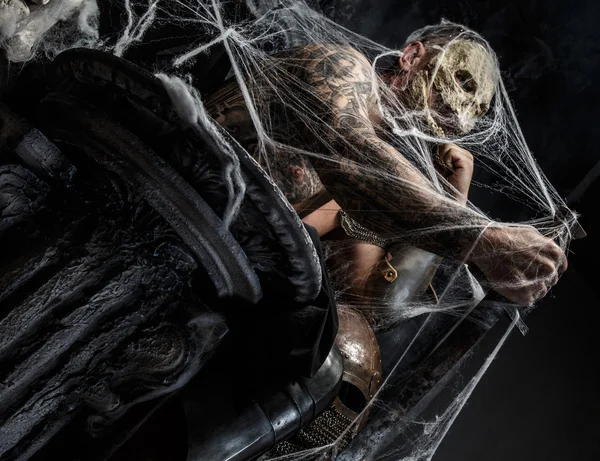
x=226, y=425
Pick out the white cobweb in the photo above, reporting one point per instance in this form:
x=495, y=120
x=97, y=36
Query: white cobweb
x=46, y=27
x=496, y=142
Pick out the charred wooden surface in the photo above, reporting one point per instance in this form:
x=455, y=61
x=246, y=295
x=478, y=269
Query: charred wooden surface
x=113, y=253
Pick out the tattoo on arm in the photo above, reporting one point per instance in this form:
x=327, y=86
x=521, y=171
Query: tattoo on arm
x=292, y=173
x=296, y=177
x=370, y=179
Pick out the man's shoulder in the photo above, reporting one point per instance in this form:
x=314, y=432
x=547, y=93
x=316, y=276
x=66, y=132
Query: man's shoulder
x=333, y=53
x=328, y=49
x=332, y=62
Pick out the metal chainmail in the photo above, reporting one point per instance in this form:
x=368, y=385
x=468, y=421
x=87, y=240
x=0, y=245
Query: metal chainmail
x=324, y=430
x=359, y=232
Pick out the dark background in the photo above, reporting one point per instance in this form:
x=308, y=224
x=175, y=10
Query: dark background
x=540, y=400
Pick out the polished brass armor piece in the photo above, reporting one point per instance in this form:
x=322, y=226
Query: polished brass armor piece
x=361, y=377
x=362, y=363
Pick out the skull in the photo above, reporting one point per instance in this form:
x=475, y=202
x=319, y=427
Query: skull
x=455, y=89
x=463, y=81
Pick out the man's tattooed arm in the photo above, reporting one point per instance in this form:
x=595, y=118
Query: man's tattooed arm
x=292, y=173
x=368, y=177
x=296, y=177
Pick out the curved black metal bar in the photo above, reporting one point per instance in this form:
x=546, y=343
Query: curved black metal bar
x=219, y=428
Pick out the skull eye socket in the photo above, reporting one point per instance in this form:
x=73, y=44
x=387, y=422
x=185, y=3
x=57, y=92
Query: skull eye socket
x=466, y=81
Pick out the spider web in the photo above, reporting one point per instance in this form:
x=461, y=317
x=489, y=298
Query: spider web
x=252, y=45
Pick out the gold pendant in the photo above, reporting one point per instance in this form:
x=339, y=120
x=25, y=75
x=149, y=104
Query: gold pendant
x=390, y=274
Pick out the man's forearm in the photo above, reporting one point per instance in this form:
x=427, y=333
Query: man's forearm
x=383, y=191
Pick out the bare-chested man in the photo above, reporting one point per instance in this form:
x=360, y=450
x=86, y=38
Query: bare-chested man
x=518, y=261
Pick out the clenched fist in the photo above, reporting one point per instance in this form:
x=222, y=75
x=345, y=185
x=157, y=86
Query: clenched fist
x=456, y=165
x=519, y=262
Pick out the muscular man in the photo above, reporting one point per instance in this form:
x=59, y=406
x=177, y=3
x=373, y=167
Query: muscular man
x=340, y=85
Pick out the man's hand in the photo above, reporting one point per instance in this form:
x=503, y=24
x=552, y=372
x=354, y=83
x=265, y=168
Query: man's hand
x=456, y=165
x=520, y=263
